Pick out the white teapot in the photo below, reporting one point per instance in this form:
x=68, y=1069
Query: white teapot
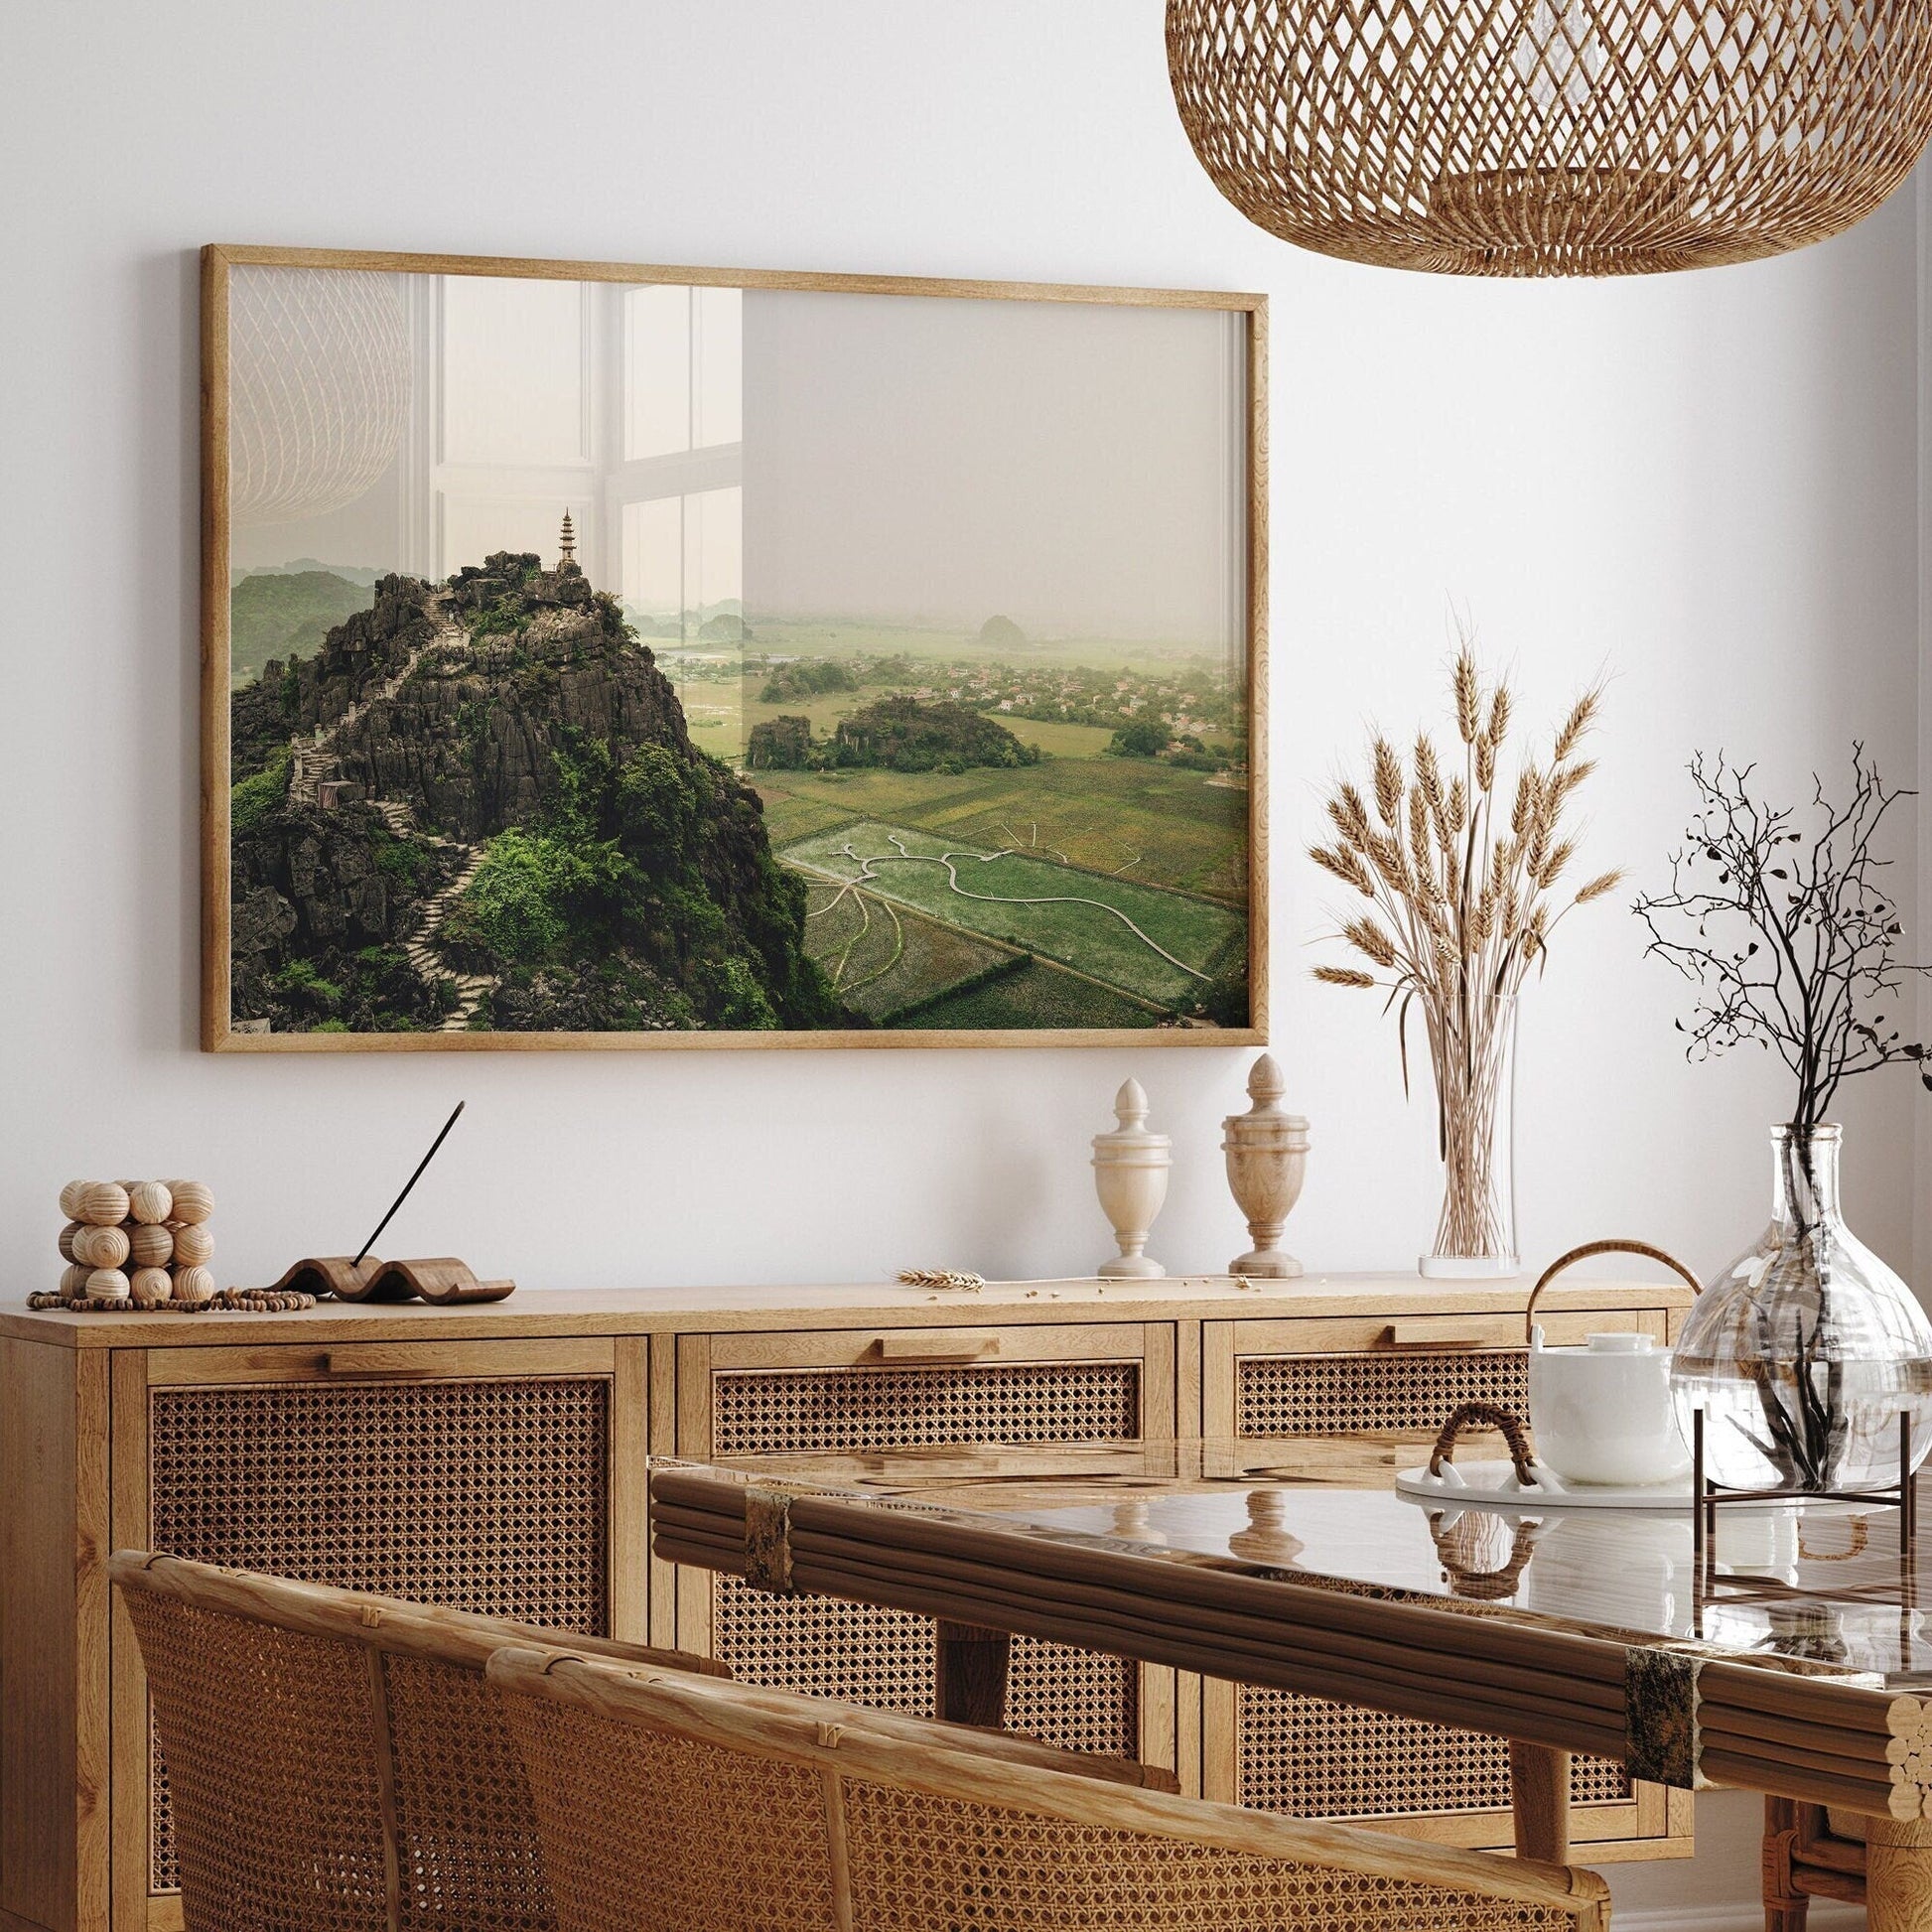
x=1603, y=1414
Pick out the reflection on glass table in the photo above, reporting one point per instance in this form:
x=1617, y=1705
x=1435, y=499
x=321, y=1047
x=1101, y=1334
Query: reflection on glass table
x=1817, y=1583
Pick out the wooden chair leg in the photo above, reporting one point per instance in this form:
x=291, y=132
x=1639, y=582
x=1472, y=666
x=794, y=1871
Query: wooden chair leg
x=1785, y=1905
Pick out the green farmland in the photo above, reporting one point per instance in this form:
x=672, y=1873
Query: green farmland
x=1036, y=995
x=1158, y=945
x=1135, y=816
x=882, y=958
x=1086, y=890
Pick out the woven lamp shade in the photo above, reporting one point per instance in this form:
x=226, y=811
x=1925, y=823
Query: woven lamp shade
x=1554, y=137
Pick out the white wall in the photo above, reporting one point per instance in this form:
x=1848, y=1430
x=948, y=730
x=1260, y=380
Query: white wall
x=1704, y=485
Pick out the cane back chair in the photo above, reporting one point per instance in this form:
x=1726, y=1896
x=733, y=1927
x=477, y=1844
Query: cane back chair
x=668, y=1803
x=337, y=1760
x=340, y=1764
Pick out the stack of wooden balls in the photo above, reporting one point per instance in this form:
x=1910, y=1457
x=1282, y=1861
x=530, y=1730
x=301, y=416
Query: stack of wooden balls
x=141, y=1241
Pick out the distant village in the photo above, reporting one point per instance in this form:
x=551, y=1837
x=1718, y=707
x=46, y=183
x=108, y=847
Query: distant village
x=1194, y=699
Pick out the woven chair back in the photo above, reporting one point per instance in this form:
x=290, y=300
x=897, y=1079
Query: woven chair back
x=339, y=1761
x=666, y=1804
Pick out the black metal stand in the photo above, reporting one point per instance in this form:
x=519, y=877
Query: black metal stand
x=1708, y=1497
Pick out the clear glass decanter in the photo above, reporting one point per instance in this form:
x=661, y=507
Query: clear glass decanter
x=1803, y=1354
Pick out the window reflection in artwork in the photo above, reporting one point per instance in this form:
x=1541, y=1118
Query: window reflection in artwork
x=683, y=369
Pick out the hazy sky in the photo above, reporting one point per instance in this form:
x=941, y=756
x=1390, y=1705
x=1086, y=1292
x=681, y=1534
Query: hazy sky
x=1077, y=467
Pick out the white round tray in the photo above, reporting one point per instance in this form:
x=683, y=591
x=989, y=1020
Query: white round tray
x=1493, y=1486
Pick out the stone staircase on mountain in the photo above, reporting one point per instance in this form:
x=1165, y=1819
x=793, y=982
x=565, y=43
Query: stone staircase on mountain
x=421, y=947
x=312, y=759
x=425, y=956
x=311, y=762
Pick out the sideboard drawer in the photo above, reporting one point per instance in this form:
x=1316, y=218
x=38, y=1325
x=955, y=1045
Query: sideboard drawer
x=901, y=1388
x=883, y=1389
x=1366, y=1393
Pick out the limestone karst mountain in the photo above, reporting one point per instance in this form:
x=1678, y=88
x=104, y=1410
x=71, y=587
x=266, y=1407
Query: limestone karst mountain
x=478, y=805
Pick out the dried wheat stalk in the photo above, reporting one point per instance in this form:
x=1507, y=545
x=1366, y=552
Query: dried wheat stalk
x=1461, y=879
x=954, y=1278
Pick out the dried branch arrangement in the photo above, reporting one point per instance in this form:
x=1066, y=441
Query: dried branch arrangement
x=1790, y=936
x=1462, y=875
x=1791, y=939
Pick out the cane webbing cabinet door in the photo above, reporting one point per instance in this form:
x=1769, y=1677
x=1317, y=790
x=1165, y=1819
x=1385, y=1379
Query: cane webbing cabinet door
x=487, y=1478
x=878, y=1390
x=1362, y=1398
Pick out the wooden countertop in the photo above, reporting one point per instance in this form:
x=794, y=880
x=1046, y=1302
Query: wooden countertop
x=685, y=1311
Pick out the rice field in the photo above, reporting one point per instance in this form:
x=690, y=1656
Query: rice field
x=1133, y=818
x=1036, y=995
x=1159, y=945
x=882, y=958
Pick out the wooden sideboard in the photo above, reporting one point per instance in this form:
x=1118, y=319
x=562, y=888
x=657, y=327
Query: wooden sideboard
x=493, y=1458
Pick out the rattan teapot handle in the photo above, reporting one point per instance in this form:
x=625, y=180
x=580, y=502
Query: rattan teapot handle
x=1485, y=1415
x=1590, y=1248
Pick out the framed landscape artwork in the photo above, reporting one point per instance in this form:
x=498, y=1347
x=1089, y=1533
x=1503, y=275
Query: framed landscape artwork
x=614, y=657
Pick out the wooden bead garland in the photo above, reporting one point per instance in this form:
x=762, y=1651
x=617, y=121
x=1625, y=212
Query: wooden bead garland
x=158, y=1228
x=134, y=1244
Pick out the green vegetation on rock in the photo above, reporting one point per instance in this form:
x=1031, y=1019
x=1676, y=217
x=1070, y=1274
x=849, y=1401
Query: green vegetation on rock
x=252, y=800
x=896, y=734
x=807, y=677
x=909, y=734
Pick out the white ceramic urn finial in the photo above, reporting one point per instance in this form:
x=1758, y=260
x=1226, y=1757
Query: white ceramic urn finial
x=1130, y=1171
x=1267, y=1153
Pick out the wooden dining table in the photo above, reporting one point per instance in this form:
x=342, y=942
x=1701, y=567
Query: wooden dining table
x=1784, y=1654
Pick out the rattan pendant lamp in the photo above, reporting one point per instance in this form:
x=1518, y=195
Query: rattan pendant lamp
x=1554, y=137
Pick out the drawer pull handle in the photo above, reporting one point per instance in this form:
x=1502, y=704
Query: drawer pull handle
x=1430, y=1334
x=366, y=1362
x=915, y=1348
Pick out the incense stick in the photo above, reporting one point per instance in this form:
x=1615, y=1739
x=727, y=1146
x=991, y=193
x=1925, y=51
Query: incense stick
x=412, y=1180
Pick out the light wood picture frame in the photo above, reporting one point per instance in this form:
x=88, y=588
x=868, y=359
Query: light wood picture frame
x=599, y=655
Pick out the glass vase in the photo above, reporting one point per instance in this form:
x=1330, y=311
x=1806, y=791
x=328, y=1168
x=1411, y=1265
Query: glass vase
x=1473, y=1051
x=1804, y=1352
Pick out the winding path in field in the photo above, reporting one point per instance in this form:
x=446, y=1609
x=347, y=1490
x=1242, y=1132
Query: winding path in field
x=850, y=887
x=868, y=872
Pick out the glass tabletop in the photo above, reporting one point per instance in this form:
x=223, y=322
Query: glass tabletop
x=1822, y=1583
